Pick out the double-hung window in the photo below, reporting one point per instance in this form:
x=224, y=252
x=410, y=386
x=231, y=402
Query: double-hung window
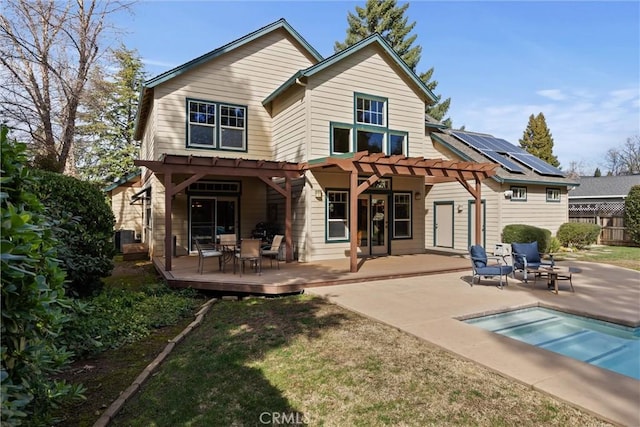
x=337, y=215
x=216, y=125
x=402, y=215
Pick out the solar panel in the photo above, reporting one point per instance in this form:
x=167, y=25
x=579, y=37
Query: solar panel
x=496, y=148
x=504, y=161
x=536, y=164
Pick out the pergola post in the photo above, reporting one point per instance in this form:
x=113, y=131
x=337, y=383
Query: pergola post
x=478, y=218
x=353, y=220
x=168, y=232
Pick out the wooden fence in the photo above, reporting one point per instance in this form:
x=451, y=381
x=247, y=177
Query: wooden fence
x=613, y=232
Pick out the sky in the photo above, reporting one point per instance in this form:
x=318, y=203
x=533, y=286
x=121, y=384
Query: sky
x=576, y=62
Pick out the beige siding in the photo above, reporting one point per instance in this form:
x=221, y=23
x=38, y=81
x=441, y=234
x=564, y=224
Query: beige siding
x=244, y=76
x=536, y=210
x=369, y=72
x=290, y=126
x=127, y=216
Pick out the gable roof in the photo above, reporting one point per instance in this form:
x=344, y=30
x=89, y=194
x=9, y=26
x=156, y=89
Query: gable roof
x=372, y=39
x=605, y=186
x=147, y=87
x=123, y=180
x=528, y=175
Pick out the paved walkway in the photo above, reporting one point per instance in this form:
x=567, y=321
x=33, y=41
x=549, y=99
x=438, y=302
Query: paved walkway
x=428, y=307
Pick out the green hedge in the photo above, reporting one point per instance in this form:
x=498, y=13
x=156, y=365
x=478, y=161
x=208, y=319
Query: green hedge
x=578, y=234
x=523, y=233
x=84, y=227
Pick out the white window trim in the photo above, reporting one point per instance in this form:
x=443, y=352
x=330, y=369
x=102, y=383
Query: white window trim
x=516, y=197
x=339, y=220
x=407, y=220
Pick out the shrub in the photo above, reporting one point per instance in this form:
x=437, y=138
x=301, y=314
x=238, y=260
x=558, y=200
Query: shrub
x=555, y=245
x=578, y=234
x=522, y=233
x=33, y=304
x=632, y=214
x=85, y=229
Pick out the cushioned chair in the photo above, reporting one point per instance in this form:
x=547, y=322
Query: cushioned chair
x=526, y=257
x=481, y=268
x=273, y=252
x=206, y=253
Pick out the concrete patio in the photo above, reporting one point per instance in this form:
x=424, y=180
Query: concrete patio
x=429, y=307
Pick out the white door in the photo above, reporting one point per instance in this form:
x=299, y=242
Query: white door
x=443, y=227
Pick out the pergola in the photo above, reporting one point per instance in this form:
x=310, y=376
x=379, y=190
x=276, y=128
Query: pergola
x=356, y=164
x=378, y=165
x=199, y=167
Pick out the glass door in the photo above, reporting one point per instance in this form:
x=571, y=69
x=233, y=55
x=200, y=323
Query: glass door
x=379, y=224
x=212, y=216
x=363, y=225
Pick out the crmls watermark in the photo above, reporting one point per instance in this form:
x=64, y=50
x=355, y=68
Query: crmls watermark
x=287, y=418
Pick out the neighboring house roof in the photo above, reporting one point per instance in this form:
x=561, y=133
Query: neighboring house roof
x=147, y=87
x=608, y=187
x=123, y=180
x=529, y=176
x=372, y=39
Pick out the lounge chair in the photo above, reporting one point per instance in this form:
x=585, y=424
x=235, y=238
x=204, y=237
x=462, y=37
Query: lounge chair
x=526, y=257
x=481, y=268
x=273, y=252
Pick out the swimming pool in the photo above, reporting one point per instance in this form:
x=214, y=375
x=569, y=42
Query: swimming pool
x=604, y=344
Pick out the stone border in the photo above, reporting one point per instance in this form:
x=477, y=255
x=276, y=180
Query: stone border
x=115, y=407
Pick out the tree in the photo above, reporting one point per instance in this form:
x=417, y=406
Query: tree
x=106, y=148
x=386, y=18
x=632, y=214
x=538, y=141
x=597, y=173
x=624, y=160
x=47, y=49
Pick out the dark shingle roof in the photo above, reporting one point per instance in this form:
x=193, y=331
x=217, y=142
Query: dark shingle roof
x=605, y=186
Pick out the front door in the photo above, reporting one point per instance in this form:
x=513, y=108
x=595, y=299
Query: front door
x=372, y=225
x=212, y=216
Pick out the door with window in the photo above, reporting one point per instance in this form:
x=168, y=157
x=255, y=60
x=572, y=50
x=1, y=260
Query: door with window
x=373, y=224
x=212, y=216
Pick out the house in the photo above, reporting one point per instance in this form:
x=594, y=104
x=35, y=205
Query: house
x=336, y=152
x=600, y=200
x=126, y=205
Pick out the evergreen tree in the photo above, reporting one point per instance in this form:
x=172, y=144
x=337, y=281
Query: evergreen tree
x=597, y=173
x=108, y=149
x=387, y=18
x=538, y=141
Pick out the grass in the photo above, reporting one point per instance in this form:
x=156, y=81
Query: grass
x=304, y=360
x=621, y=256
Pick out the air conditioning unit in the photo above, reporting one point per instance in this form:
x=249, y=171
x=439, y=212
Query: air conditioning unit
x=508, y=194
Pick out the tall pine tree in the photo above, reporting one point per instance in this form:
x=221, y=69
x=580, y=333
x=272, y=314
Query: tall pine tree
x=107, y=150
x=387, y=18
x=538, y=141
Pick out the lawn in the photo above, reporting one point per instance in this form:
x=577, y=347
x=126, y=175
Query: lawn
x=302, y=360
x=621, y=256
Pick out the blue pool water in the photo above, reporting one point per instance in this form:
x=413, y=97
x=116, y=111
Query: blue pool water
x=604, y=344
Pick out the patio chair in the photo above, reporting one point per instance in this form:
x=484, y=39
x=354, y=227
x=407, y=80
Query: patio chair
x=526, y=257
x=481, y=268
x=206, y=253
x=273, y=252
x=249, y=251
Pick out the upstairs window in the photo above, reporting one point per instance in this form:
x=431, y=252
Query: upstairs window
x=370, y=110
x=202, y=124
x=214, y=125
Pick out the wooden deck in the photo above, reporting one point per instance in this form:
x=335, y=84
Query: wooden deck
x=295, y=277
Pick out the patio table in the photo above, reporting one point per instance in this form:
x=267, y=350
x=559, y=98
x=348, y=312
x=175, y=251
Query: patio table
x=555, y=274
